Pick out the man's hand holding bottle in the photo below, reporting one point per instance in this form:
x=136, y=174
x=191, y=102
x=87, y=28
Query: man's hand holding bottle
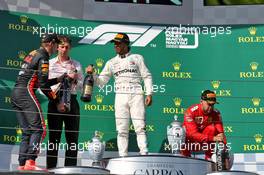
x=89, y=69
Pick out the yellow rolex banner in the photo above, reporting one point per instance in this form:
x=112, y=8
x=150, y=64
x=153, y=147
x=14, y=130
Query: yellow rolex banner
x=183, y=60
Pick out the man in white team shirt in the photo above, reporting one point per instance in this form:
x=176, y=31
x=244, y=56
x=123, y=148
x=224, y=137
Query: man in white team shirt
x=128, y=71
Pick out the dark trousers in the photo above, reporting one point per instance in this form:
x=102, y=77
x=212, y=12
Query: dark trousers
x=30, y=119
x=209, y=130
x=71, y=122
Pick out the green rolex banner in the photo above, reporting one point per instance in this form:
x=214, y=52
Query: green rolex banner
x=183, y=60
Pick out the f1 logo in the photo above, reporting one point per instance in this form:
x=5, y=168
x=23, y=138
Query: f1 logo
x=139, y=35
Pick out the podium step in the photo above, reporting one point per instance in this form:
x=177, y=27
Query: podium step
x=232, y=173
x=80, y=170
x=159, y=165
x=63, y=170
x=25, y=173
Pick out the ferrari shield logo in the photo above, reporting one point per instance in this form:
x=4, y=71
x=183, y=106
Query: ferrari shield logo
x=199, y=120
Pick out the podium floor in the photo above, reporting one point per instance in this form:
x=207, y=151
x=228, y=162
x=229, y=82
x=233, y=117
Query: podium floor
x=154, y=164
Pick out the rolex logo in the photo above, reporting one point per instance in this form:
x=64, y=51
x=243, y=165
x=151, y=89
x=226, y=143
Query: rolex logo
x=23, y=19
x=176, y=66
x=18, y=130
x=22, y=54
x=99, y=62
x=252, y=30
x=254, y=66
x=215, y=84
x=177, y=101
x=99, y=98
x=256, y=101
x=258, y=138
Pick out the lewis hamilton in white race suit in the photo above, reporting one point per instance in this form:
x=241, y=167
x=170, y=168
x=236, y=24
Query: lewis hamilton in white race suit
x=128, y=71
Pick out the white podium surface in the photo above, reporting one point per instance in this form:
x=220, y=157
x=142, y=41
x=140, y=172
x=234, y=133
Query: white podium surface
x=80, y=170
x=159, y=165
x=232, y=173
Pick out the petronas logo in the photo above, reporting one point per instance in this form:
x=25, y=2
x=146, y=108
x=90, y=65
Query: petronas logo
x=22, y=54
x=177, y=101
x=23, y=19
x=99, y=98
x=252, y=30
x=215, y=84
x=258, y=138
x=256, y=101
x=99, y=62
x=254, y=66
x=176, y=66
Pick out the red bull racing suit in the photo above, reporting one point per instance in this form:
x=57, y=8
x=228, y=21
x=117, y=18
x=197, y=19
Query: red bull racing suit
x=33, y=75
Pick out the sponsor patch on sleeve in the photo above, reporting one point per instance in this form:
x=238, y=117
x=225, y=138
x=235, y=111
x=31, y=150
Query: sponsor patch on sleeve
x=194, y=108
x=44, y=68
x=28, y=59
x=33, y=53
x=188, y=117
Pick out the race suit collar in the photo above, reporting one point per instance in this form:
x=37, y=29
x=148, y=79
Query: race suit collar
x=204, y=112
x=123, y=56
x=57, y=60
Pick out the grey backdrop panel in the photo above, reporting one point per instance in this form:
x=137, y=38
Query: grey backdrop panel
x=139, y=13
x=58, y=8
x=191, y=12
x=235, y=14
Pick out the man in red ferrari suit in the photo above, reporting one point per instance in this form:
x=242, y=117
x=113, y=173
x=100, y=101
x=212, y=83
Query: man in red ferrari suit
x=203, y=126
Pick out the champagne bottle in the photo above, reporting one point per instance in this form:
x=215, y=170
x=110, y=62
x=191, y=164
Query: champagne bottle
x=88, y=87
x=222, y=158
x=65, y=95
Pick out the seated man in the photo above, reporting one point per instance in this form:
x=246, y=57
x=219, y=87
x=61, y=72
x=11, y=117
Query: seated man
x=203, y=126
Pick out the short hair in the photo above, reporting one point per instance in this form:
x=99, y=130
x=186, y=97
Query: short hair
x=64, y=39
x=46, y=38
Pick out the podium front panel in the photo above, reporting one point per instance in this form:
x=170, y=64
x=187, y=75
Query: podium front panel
x=159, y=164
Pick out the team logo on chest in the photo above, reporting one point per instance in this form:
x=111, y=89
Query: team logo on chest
x=199, y=119
x=125, y=71
x=132, y=63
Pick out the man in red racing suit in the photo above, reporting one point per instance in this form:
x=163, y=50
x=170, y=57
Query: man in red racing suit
x=203, y=126
x=33, y=75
